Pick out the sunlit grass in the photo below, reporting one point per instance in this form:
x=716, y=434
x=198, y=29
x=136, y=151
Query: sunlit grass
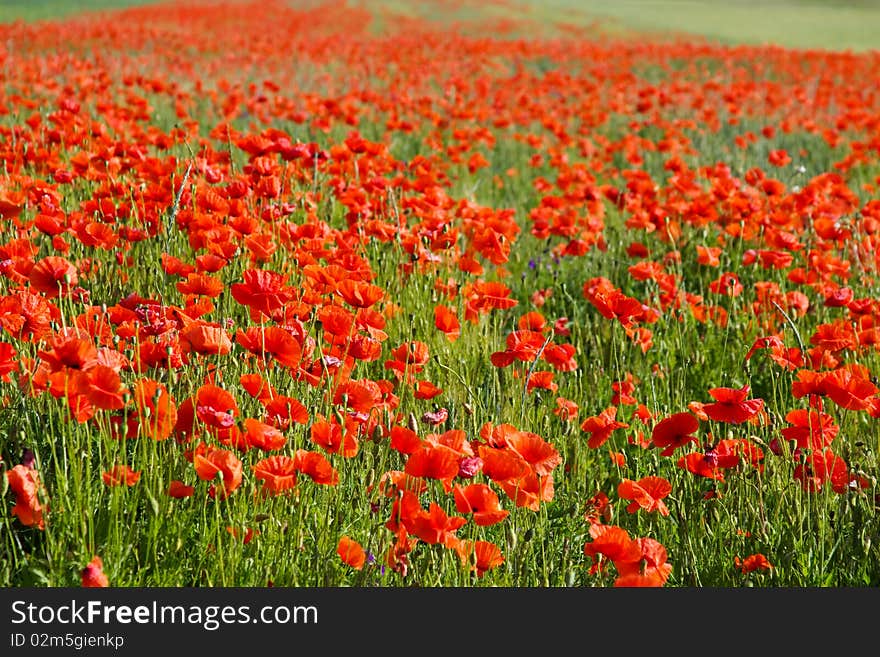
x=33, y=10
x=787, y=23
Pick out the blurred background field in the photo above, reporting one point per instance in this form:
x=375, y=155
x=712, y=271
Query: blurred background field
x=810, y=24
x=853, y=25
x=32, y=10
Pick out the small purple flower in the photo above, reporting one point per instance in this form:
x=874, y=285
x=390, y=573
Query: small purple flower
x=711, y=458
x=469, y=466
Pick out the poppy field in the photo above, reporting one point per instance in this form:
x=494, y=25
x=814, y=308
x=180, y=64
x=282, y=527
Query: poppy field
x=343, y=294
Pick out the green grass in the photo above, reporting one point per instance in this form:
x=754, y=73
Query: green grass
x=851, y=25
x=38, y=10
x=790, y=23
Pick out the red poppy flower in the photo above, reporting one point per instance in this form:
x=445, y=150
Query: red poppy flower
x=835, y=337
x=27, y=316
x=433, y=462
x=53, y=275
x=215, y=406
x=823, y=467
x=535, y=451
x=675, y=431
x=8, y=361
x=482, y=502
x=532, y=321
x=561, y=357
x=157, y=413
x=808, y=382
x=484, y=296
x=333, y=438
x=623, y=391
x=102, y=386
x=600, y=427
x=173, y=266
x=204, y=338
x=708, y=256
x=360, y=396
x=612, y=543
x=651, y=569
x=262, y=290
x=272, y=341
x=69, y=352
x=359, y=294
x=426, y=390
x=811, y=429
x=256, y=386
x=647, y=493
x=850, y=387
x=120, y=475
x=447, y=321
x=838, y=297
x=779, y=157
x=454, y=439
x=178, y=489
x=278, y=474
x=731, y=405
x=409, y=357
x=501, y=464
x=434, y=526
x=541, y=380
x=481, y=556
x=614, y=304
x=200, y=284
x=281, y=410
x=529, y=490
x=336, y=321
x=752, y=563
x=351, y=553
x=263, y=436
x=404, y=440
x=92, y=576
x=315, y=466
x=25, y=486
x=712, y=463
x=566, y=410
x=767, y=342
x=209, y=461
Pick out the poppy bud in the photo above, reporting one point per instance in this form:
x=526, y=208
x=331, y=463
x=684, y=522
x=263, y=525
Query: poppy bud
x=93, y=575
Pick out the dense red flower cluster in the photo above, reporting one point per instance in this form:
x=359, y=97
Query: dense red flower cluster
x=292, y=209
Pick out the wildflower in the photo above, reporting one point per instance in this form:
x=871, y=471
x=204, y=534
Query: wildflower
x=752, y=563
x=675, y=431
x=351, y=553
x=482, y=502
x=647, y=493
x=25, y=486
x=731, y=405
x=93, y=576
x=120, y=475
